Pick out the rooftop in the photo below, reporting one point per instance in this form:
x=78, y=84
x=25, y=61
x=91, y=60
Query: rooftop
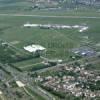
x=20, y=84
x=34, y=48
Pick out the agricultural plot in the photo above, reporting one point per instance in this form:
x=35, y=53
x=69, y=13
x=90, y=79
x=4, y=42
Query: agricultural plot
x=28, y=64
x=11, y=54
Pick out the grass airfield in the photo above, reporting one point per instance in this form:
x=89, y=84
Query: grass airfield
x=57, y=42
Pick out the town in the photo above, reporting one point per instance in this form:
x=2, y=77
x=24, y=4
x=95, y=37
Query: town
x=49, y=50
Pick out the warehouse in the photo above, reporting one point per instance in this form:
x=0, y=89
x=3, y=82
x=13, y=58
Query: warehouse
x=34, y=48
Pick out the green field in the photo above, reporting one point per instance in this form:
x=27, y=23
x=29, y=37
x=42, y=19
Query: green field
x=28, y=64
x=57, y=42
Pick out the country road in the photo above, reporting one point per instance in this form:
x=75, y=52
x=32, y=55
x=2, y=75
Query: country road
x=64, y=64
x=50, y=16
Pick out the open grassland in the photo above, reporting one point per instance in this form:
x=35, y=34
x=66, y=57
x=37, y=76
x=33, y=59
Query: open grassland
x=80, y=12
x=28, y=64
x=57, y=42
x=12, y=30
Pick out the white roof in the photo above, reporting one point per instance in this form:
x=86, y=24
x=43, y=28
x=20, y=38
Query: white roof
x=20, y=84
x=34, y=48
x=31, y=25
x=76, y=26
x=0, y=92
x=83, y=29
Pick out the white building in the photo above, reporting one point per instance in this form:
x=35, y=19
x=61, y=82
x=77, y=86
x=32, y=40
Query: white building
x=31, y=25
x=34, y=48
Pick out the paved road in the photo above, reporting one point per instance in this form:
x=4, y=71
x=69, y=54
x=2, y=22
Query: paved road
x=1, y=97
x=50, y=16
x=27, y=80
x=28, y=93
x=64, y=64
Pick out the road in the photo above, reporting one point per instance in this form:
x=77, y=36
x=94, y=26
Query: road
x=51, y=16
x=28, y=93
x=64, y=64
x=46, y=93
x=27, y=80
x=1, y=97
